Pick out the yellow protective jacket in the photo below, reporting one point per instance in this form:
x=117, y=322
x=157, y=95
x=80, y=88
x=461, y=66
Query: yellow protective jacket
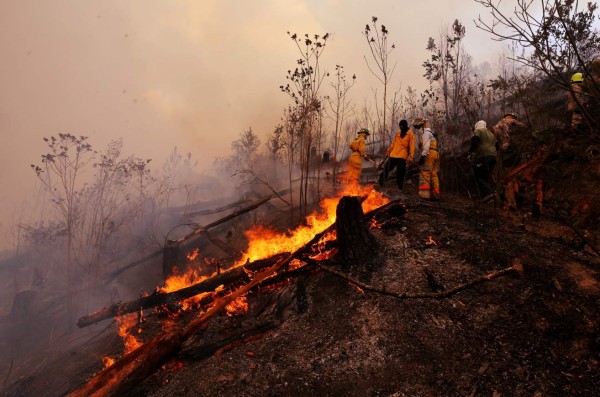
x=358, y=145
x=403, y=148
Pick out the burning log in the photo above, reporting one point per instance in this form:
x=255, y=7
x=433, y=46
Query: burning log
x=225, y=219
x=228, y=277
x=130, y=370
x=356, y=245
x=171, y=254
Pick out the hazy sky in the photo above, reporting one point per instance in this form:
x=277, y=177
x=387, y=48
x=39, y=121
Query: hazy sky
x=191, y=74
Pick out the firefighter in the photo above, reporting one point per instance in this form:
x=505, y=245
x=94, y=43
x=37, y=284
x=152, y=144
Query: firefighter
x=401, y=153
x=504, y=127
x=429, y=162
x=575, y=101
x=358, y=147
x=483, y=150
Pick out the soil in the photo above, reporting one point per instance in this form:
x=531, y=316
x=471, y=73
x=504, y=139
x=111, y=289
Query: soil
x=533, y=333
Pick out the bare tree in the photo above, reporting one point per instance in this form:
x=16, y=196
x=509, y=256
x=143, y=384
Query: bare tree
x=339, y=109
x=560, y=38
x=60, y=174
x=304, y=84
x=89, y=209
x=377, y=38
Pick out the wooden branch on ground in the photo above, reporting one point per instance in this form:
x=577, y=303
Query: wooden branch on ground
x=517, y=268
x=218, y=209
x=157, y=299
x=224, y=219
x=114, y=274
x=194, y=233
x=132, y=369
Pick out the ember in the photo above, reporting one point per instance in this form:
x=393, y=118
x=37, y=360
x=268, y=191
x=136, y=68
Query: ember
x=430, y=241
x=193, y=255
x=237, y=307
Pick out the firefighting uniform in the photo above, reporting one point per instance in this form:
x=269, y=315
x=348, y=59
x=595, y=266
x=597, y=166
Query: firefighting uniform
x=400, y=151
x=358, y=147
x=428, y=177
x=572, y=107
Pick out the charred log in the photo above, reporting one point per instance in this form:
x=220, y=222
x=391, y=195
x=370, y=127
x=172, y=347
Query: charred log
x=130, y=370
x=356, y=245
x=231, y=276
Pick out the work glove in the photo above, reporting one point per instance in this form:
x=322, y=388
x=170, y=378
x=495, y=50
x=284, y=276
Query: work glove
x=422, y=160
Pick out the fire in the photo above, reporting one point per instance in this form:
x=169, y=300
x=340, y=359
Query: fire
x=318, y=249
x=193, y=255
x=264, y=243
x=127, y=325
x=182, y=280
x=107, y=361
x=430, y=241
x=238, y=306
x=296, y=264
x=374, y=224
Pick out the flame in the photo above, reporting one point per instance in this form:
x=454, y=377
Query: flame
x=238, y=306
x=296, y=264
x=127, y=324
x=107, y=361
x=318, y=249
x=375, y=224
x=264, y=243
x=430, y=241
x=193, y=255
x=358, y=288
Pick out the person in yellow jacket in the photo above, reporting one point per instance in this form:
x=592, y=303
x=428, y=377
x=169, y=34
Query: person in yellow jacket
x=429, y=162
x=575, y=101
x=358, y=148
x=401, y=153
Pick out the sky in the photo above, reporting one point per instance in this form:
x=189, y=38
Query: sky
x=187, y=73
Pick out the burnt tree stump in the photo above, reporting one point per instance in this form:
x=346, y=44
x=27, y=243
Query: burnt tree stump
x=356, y=245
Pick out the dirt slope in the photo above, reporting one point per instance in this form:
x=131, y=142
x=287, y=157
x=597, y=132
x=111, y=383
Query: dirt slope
x=517, y=336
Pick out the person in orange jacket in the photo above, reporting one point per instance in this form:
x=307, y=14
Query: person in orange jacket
x=401, y=153
x=358, y=147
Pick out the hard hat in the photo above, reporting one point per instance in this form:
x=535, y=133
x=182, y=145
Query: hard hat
x=419, y=121
x=403, y=123
x=363, y=131
x=514, y=116
x=577, y=78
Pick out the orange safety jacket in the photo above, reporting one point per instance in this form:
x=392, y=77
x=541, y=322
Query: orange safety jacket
x=403, y=148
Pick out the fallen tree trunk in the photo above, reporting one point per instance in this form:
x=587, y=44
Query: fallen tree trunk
x=224, y=219
x=187, y=237
x=157, y=299
x=132, y=369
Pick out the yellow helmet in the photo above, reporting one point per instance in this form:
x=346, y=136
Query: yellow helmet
x=577, y=78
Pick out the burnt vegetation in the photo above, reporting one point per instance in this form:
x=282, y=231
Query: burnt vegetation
x=294, y=282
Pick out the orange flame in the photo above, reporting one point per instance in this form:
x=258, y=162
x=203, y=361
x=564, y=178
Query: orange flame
x=127, y=324
x=430, y=241
x=296, y=264
x=264, y=243
x=238, y=306
x=375, y=224
x=107, y=361
x=193, y=255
